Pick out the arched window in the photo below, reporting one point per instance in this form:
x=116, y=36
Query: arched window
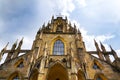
x=98, y=78
x=58, y=48
x=20, y=65
x=15, y=77
x=95, y=66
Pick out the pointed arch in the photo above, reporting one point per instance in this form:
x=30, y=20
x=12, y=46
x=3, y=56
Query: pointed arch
x=58, y=71
x=62, y=43
x=58, y=47
x=34, y=74
x=19, y=63
x=80, y=75
x=15, y=75
x=97, y=65
x=100, y=76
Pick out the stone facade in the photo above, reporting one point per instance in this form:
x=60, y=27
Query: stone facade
x=58, y=53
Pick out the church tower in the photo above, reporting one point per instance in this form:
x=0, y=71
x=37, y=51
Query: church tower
x=59, y=53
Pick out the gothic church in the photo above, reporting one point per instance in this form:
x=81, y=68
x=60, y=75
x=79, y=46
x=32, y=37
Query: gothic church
x=59, y=53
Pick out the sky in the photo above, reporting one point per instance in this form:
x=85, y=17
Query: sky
x=96, y=19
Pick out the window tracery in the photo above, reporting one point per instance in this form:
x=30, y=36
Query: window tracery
x=58, y=48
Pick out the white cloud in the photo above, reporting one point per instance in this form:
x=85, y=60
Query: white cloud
x=103, y=10
x=81, y=3
x=57, y=6
x=118, y=52
x=89, y=39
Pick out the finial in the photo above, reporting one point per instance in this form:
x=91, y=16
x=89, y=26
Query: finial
x=74, y=26
x=4, y=49
x=66, y=17
x=6, y=45
x=114, y=53
x=20, y=43
x=102, y=47
x=16, y=41
x=112, y=50
x=96, y=45
x=111, y=47
x=22, y=38
x=79, y=31
x=59, y=15
x=70, y=23
x=43, y=26
x=41, y=34
x=98, y=50
x=52, y=17
x=14, y=45
x=39, y=30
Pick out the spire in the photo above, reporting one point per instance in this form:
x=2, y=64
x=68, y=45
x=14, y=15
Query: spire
x=98, y=50
x=18, y=48
x=113, y=53
x=102, y=47
x=74, y=27
x=70, y=24
x=14, y=45
x=3, y=50
x=79, y=31
x=53, y=17
x=39, y=30
x=96, y=45
x=105, y=54
x=12, y=51
x=66, y=19
x=21, y=42
x=43, y=26
x=41, y=34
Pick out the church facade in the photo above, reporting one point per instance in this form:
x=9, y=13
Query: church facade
x=59, y=53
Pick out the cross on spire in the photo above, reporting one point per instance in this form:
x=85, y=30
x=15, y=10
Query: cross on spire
x=59, y=15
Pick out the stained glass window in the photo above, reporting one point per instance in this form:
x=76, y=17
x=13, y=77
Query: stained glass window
x=58, y=48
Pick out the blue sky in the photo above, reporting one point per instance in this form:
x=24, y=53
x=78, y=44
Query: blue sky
x=99, y=19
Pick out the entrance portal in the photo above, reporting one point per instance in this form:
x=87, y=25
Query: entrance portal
x=57, y=72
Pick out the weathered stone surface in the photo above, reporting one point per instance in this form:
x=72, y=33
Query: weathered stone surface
x=76, y=63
